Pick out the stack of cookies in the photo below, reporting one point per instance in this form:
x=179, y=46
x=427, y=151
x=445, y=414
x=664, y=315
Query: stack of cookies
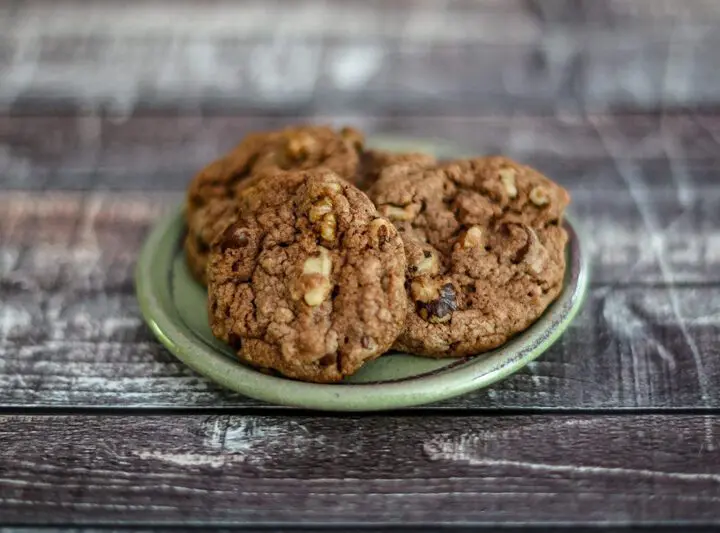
x=320, y=254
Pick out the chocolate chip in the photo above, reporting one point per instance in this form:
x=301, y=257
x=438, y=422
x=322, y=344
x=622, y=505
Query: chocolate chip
x=235, y=341
x=440, y=309
x=328, y=360
x=234, y=237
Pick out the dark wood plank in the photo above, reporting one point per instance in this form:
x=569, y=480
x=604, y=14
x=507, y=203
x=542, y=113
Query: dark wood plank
x=162, y=151
x=75, y=242
x=612, y=470
x=622, y=13
x=360, y=528
x=377, y=17
x=364, y=56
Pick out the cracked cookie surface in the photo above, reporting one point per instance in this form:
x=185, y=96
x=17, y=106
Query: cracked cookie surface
x=264, y=153
x=309, y=279
x=484, y=246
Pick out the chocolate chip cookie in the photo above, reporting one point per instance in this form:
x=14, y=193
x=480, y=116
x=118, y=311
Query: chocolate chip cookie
x=309, y=278
x=300, y=147
x=484, y=246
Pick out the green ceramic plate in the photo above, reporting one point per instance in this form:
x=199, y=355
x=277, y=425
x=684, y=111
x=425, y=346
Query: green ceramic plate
x=174, y=306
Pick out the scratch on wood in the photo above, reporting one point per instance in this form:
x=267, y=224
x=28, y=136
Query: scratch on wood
x=471, y=449
x=637, y=189
x=232, y=440
x=458, y=454
x=627, y=325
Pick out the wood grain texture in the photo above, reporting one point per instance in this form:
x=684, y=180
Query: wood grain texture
x=160, y=151
x=362, y=56
x=71, y=332
x=326, y=470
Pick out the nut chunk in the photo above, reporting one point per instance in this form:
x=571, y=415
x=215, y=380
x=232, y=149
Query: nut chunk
x=317, y=273
x=310, y=280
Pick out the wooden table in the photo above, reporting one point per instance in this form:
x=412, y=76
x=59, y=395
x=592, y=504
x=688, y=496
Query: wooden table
x=105, y=113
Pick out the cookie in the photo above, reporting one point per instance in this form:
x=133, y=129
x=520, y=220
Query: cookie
x=484, y=246
x=301, y=147
x=309, y=279
x=373, y=162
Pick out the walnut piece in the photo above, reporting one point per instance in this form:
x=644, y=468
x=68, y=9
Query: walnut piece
x=427, y=265
x=473, y=237
x=321, y=264
x=316, y=295
x=328, y=225
x=321, y=214
x=507, y=177
x=539, y=196
x=333, y=187
x=380, y=231
x=394, y=212
x=423, y=290
x=319, y=209
x=317, y=270
x=300, y=146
